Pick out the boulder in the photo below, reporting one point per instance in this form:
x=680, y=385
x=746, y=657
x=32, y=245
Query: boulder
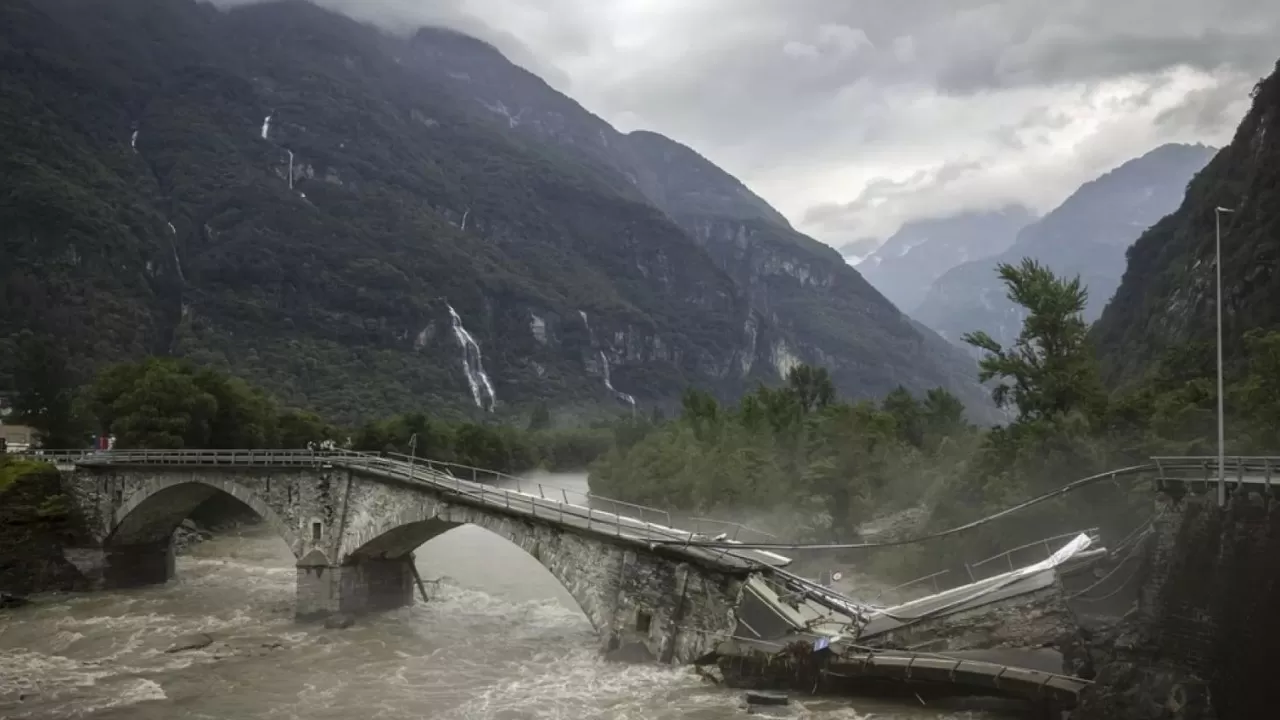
x=194, y=641
x=339, y=622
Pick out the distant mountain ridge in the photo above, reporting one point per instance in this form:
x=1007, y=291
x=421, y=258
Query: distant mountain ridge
x=908, y=263
x=369, y=224
x=1086, y=235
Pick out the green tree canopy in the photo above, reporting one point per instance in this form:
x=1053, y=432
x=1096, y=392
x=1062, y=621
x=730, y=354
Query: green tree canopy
x=1051, y=369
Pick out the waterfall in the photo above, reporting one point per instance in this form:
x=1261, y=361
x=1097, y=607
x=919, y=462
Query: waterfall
x=608, y=382
x=173, y=245
x=473, y=364
x=266, y=127
x=464, y=219
x=290, y=168
x=133, y=141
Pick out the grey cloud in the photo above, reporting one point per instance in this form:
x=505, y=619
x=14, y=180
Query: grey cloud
x=836, y=216
x=1206, y=109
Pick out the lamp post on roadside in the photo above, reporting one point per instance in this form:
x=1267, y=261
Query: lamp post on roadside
x=1222, y=473
x=413, y=452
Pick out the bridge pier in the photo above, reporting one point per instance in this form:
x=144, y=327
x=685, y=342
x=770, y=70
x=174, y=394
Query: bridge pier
x=370, y=585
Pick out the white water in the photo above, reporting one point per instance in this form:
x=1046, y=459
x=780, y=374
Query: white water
x=291, y=169
x=608, y=382
x=464, y=219
x=133, y=141
x=473, y=365
x=266, y=127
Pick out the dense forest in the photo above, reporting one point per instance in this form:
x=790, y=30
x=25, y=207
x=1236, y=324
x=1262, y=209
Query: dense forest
x=167, y=403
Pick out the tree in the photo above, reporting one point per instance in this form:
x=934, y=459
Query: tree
x=907, y=413
x=245, y=416
x=46, y=398
x=1050, y=370
x=154, y=404
x=701, y=410
x=812, y=387
x=295, y=429
x=848, y=462
x=943, y=415
x=541, y=418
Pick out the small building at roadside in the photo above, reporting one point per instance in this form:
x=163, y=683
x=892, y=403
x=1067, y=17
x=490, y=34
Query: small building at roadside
x=16, y=438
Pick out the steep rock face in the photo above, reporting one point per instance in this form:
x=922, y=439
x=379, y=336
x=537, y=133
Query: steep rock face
x=804, y=299
x=363, y=223
x=1166, y=298
x=1087, y=236
x=1198, y=643
x=908, y=263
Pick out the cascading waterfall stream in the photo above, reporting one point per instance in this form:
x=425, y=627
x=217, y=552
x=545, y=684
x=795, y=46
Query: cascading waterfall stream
x=173, y=245
x=608, y=382
x=266, y=127
x=473, y=364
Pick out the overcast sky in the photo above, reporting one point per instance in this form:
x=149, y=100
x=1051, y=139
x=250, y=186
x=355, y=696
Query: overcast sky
x=853, y=116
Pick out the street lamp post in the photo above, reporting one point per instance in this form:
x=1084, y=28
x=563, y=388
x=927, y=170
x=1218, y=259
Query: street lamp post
x=413, y=453
x=1222, y=473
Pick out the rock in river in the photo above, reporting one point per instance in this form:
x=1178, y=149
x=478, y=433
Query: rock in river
x=194, y=641
x=339, y=622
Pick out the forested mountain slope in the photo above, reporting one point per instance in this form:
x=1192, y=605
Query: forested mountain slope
x=1166, y=298
x=368, y=224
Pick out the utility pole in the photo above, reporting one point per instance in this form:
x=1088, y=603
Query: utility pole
x=413, y=453
x=1222, y=442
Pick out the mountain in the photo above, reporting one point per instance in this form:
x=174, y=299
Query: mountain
x=1086, y=235
x=905, y=266
x=857, y=250
x=1166, y=299
x=368, y=223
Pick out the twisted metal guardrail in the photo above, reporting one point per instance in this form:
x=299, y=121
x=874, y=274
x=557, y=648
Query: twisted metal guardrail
x=551, y=502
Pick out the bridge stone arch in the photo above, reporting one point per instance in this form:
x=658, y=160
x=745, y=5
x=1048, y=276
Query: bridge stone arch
x=581, y=565
x=353, y=529
x=155, y=508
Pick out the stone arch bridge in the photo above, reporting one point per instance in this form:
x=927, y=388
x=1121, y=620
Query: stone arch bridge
x=353, y=521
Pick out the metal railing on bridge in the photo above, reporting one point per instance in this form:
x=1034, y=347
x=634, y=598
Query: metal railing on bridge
x=479, y=484
x=1237, y=470
x=974, y=574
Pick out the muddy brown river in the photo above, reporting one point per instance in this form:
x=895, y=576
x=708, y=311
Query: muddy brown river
x=499, y=639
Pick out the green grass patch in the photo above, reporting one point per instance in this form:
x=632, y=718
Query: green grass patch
x=14, y=469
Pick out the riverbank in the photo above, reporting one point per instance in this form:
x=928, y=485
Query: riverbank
x=36, y=523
